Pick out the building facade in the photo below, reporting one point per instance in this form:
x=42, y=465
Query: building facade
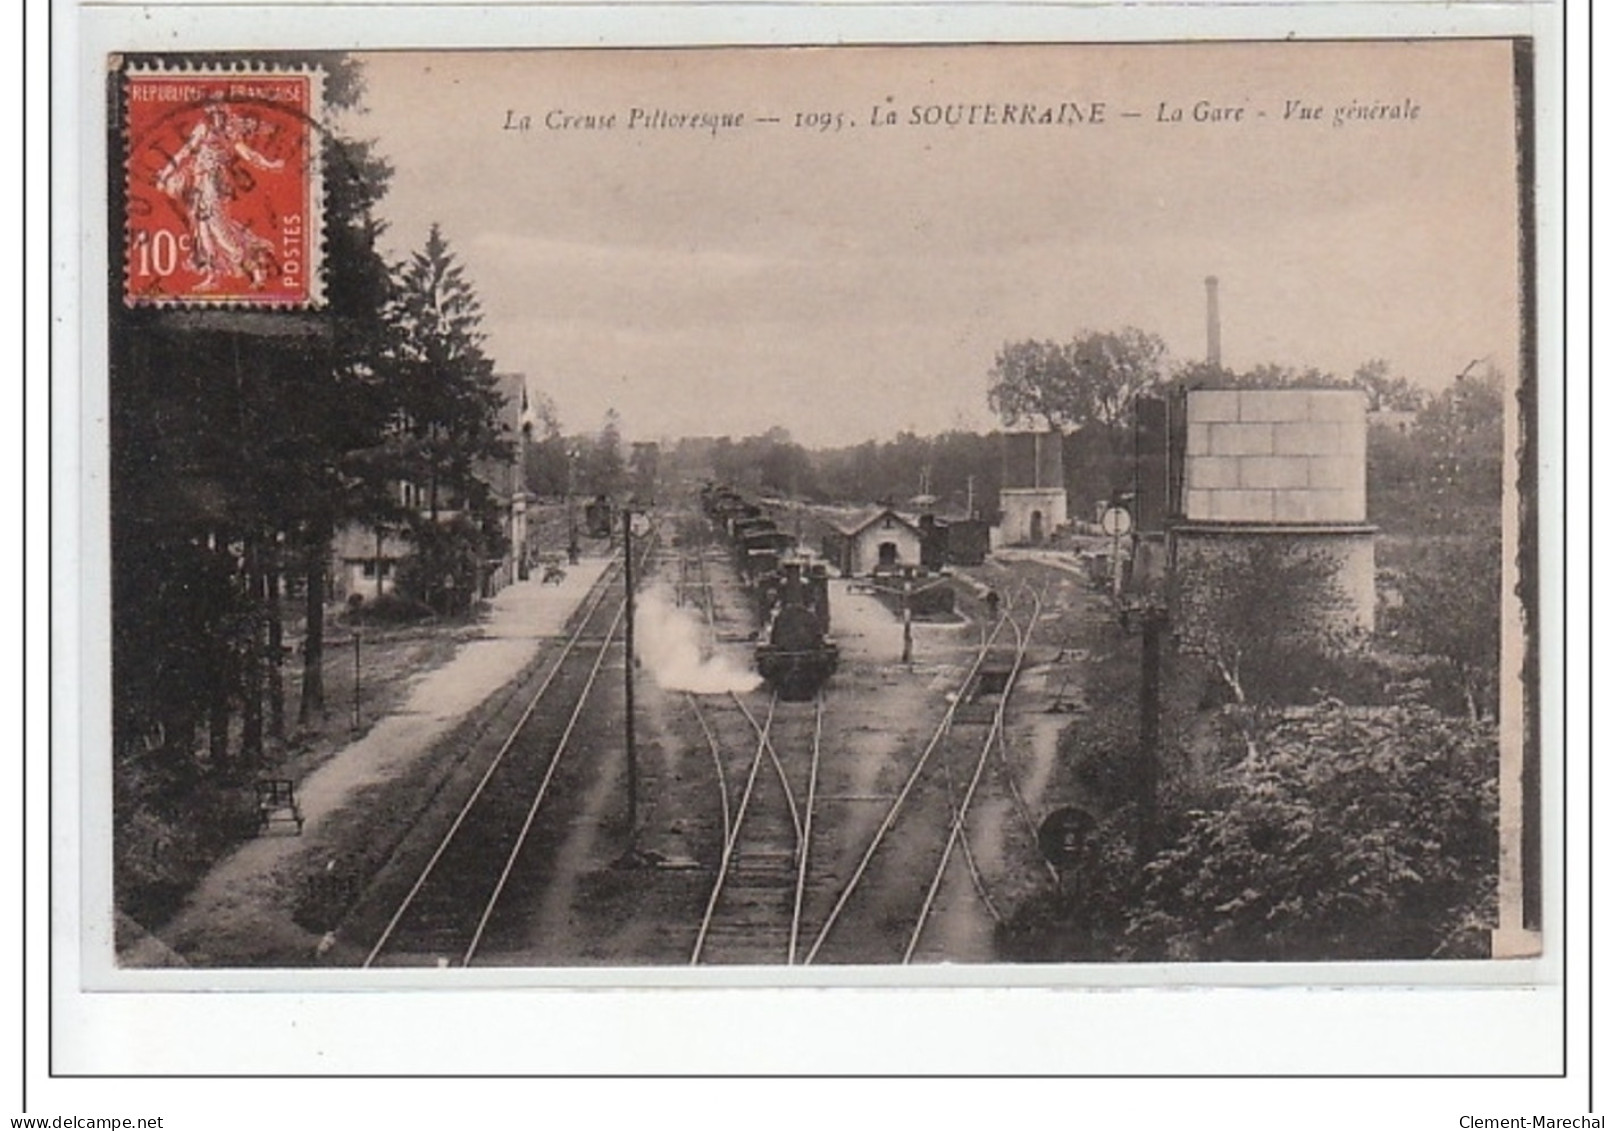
x=366, y=558
x=1032, y=500
x=882, y=541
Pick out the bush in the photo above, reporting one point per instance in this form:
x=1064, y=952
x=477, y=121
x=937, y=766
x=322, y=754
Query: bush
x=444, y=570
x=1085, y=919
x=162, y=850
x=389, y=608
x=1451, y=609
x=1350, y=834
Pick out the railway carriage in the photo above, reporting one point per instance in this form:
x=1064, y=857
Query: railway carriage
x=598, y=517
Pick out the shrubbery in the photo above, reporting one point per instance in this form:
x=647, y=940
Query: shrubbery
x=1351, y=834
x=389, y=608
x=168, y=831
x=444, y=570
x=1315, y=802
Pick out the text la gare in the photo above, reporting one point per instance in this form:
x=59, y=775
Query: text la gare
x=1202, y=111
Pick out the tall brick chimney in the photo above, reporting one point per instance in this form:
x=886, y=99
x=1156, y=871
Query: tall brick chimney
x=1213, y=323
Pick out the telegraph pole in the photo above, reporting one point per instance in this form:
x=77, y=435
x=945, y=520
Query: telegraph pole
x=1149, y=728
x=908, y=620
x=356, y=677
x=571, y=508
x=628, y=672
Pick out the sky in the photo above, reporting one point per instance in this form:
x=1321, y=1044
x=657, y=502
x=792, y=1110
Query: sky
x=853, y=281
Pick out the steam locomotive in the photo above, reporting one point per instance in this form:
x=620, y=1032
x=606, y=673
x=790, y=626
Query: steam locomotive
x=789, y=592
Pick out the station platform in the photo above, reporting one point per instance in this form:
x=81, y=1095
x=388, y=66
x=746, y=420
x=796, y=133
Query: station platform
x=235, y=897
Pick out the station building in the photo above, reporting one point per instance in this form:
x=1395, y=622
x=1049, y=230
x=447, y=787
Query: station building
x=882, y=540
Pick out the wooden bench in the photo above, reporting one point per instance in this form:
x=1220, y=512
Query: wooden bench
x=277, y=802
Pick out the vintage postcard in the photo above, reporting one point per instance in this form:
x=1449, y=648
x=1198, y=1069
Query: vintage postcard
x=1015, y=513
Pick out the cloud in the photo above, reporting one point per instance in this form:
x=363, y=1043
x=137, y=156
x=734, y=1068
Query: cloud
x=857, y=282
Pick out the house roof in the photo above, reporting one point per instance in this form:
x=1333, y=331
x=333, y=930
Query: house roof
x=858, y=525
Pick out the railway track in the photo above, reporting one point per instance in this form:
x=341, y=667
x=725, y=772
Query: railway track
x=957, y=835
x=919, y=820
x=754, y=912
x=446, y=912
x=766, y=905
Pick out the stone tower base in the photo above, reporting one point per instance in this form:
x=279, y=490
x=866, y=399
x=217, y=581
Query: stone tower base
x=1031, y=515
x=1348, y=547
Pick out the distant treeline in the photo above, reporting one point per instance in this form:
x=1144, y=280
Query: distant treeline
x=1436, y=468
x=1434, y=459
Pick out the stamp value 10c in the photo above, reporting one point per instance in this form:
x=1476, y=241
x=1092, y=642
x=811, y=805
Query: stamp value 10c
x=222, y=200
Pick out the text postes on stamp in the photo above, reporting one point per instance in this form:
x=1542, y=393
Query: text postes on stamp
x=223, y=188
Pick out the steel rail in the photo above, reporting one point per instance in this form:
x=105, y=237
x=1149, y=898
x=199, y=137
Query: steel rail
x=704, y=588
x=1021, y=805
x=1022, y=809
x=730, y=841
x=977, y=880
x=805, y=837
x=717, y=759
x=1022, y=642
x=602, y=587
x=543, y=786
x=897, y=803
x=773, y=756
x=708, y=602
x=779, y=769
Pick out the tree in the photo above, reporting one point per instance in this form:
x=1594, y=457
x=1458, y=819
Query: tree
x=1461, y=429
x=1268, y=375
x=602, y=467
x=1451, y=586
x=1349, y=834
x=772, y=463
x=230, y=442
x=447, y=399
x=446, y=412
x=1385, y=392
x=1451, y=608
x=338, y=476
x=548, y=456
x=233, y=437
x=1093, y=377
x=1263, y=613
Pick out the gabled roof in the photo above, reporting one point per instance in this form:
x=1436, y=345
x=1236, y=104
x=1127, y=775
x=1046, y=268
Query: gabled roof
x=857, y=526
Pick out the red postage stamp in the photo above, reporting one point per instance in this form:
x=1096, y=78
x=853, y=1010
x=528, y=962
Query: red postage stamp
x=223, y=190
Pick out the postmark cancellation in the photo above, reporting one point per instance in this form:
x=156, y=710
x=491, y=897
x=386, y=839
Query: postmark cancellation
x=223, y=186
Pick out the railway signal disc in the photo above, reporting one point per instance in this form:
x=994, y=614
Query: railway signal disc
x=1062, y=835
x=1116, y=521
